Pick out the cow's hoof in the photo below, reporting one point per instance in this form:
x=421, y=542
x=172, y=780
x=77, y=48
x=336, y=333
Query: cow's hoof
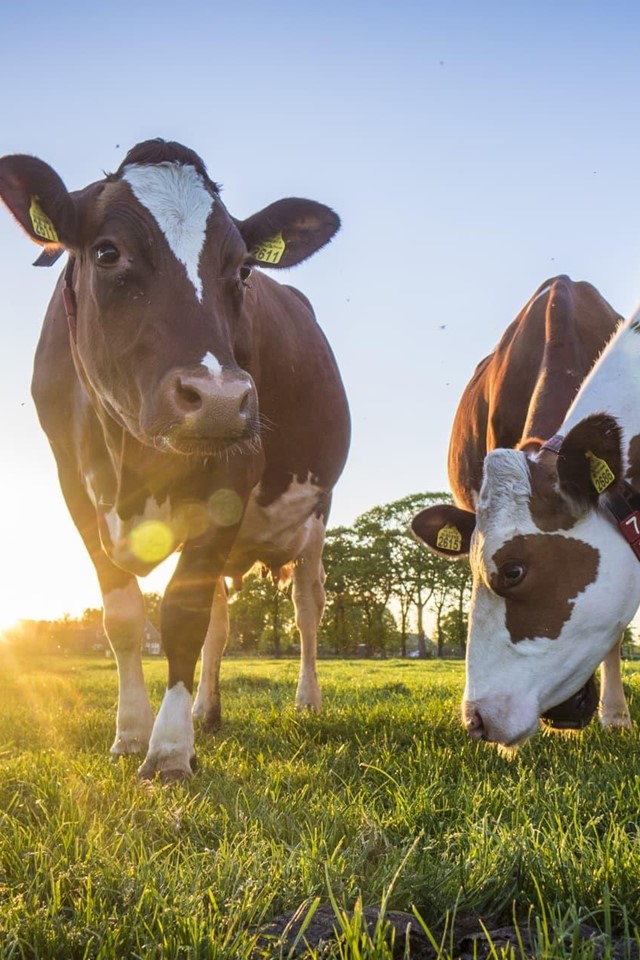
x=308, y=697
x=167, y=777
x=209, y=720
x=169, y=770
x=303, y=707
x=124, y=746
x=616, y=721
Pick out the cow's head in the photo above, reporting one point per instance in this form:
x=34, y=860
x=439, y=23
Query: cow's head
x=554, y=581
x=158, y=294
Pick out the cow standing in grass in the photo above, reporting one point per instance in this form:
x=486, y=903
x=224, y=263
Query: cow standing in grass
x=538, y=478
x=192, y=404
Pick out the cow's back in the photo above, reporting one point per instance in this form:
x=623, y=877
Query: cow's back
x=523, y=389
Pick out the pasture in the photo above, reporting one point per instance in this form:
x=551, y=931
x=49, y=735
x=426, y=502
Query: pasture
x=381, y=801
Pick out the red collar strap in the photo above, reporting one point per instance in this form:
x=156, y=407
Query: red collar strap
x=553, y=443
x=69, y=298
x=624, y=507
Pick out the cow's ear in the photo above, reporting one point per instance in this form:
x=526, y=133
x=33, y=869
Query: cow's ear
x=287, y=232
x=590, y=460
x=445, y=530
x=39, y=200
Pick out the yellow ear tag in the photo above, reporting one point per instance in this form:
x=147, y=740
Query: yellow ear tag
x=269, y=251
x=449, y=538
x=602, y=475
x=42, y=226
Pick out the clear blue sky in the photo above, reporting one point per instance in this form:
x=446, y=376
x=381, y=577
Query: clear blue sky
x=471, y=149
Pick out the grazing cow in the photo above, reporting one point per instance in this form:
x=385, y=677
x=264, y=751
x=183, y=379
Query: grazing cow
x=191, y=405
x=554, y=582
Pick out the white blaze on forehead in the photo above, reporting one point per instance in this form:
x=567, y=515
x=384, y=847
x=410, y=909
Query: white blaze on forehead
x=506, y=482
x=178, y=200
x=503, y=506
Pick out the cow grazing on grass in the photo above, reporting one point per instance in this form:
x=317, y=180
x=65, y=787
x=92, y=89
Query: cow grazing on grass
x=555, y=583
x=191, y=405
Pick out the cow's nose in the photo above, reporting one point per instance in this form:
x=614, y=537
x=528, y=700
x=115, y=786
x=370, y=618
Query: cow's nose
x=474, y=724
x=212, y=406
x=194, y=393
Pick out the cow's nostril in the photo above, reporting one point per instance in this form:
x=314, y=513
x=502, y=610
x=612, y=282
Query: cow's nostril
x=245, y=403
x=475, y=726
x=188, y=397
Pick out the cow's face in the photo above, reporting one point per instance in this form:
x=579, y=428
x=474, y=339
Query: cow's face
x=164, y=307
x=554, y=584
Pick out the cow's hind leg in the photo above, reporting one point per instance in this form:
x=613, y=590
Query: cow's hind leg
x=308, y=599
x=207, y=709
x=614, y=711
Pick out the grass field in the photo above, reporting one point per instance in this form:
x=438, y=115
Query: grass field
x=380, y=801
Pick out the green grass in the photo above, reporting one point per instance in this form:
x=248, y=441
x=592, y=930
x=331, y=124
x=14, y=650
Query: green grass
x=380, y=800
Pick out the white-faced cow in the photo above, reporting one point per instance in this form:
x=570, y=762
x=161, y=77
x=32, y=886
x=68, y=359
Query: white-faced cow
x=554, y=581
x=191, y=405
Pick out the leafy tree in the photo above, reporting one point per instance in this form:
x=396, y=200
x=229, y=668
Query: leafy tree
x=358, y=589
x=260, y=613
x=410, y=576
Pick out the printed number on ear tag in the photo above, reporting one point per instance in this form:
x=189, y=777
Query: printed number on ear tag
x=269, y=251
x=602, y=475
x=449, y=538
x=42, y=226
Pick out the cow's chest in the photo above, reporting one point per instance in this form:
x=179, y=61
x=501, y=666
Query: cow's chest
x=276, y=533
x=273, y=534
x=140, y=542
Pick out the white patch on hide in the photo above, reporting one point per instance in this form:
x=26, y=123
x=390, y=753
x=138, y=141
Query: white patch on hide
x=212, y=364
x=279, y=529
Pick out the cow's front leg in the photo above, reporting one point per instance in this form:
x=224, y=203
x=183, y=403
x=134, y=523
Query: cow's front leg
x=308, y=599
x=184, y=618
x=614, y=711
x=124, y=619
x=207, y=709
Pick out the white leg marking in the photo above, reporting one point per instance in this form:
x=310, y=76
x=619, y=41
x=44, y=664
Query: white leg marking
x=171, y=747
x=124, y=622
x=206, y=708
x=308, y=599
x=614, y=711
x=178, y=200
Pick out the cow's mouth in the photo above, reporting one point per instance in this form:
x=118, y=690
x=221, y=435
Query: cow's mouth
x=203, y=447
x=179, y=439
x=575, y=712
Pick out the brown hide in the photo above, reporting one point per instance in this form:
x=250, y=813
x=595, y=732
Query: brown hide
x=524, y=388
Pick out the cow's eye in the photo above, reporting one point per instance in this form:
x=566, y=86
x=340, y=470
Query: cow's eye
x=107, y=254
x=512, y=573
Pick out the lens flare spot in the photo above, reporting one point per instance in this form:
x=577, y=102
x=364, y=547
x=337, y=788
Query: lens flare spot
x=151, y=541
x=190, y=520
x=225, y=507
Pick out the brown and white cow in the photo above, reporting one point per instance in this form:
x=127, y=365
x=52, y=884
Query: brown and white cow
x=554, y=581
x=191, y=405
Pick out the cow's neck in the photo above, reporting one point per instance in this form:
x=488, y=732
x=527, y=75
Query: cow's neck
x=559, y=378
x=613, y=387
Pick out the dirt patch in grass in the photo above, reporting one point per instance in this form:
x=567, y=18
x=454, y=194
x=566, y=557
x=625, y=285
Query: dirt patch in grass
x=468, y=937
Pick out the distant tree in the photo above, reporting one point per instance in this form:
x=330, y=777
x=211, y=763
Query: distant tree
x=357, y=586
x=260, y=613
x=629, y=647
x=152, y=603
x=343, y=623
x=413, y=577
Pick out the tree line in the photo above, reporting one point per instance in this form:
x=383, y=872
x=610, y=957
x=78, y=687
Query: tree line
x=385, y=596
